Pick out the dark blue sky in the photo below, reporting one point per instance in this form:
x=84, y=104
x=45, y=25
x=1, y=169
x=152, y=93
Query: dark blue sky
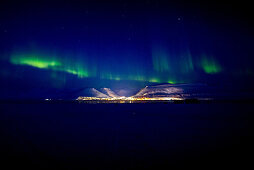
x=72, y=44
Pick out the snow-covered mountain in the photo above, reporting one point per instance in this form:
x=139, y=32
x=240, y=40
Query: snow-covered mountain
x=164, y=90
x=109, y=92
x=182, y=91
x=161, y=90
x=92, y=92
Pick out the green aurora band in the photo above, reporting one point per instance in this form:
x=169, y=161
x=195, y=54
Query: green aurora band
x=42, y=62
x=160, y=61
x=210, y=65
x=161, y=72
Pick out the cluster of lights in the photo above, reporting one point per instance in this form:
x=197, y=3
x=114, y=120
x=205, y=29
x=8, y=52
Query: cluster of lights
x=128, y=98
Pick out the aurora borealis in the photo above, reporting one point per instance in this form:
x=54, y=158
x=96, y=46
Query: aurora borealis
x=44, y=62
x=144, y=42
x=161, y=71
x=126, y=84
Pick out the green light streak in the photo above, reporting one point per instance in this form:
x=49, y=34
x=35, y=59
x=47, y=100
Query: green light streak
x=160, y=61
x=171, y=82
x=45, y=62
x=117, y=78
x=154, y=80
x=80, y=72
x=81, y=69
x=210, y=65
x=34, y=61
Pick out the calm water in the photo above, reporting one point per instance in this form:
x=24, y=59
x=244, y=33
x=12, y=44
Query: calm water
x=126, y=136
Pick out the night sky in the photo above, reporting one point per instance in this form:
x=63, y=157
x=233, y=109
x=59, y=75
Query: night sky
x=77, y=44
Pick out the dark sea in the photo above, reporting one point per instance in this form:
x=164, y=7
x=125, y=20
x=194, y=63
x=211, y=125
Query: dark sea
x=71, y=135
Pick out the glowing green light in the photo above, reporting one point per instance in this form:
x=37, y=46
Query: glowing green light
x=71, y=71
x=86, y=67
x=48, y=63
x=154, y=80
x=35, y=61
x=171, y=82
x=160, y=61
x=210, y=65
x=80, y=72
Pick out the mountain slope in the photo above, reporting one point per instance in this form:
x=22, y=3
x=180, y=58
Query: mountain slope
x=109, y=92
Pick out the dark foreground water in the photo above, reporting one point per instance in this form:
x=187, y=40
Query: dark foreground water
x=126, y=136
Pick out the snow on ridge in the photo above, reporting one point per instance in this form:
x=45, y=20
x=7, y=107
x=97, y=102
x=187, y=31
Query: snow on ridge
x=109, y=92
x=98, y=93
x=156, y=90
x=161, y=89
x=92, y=92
